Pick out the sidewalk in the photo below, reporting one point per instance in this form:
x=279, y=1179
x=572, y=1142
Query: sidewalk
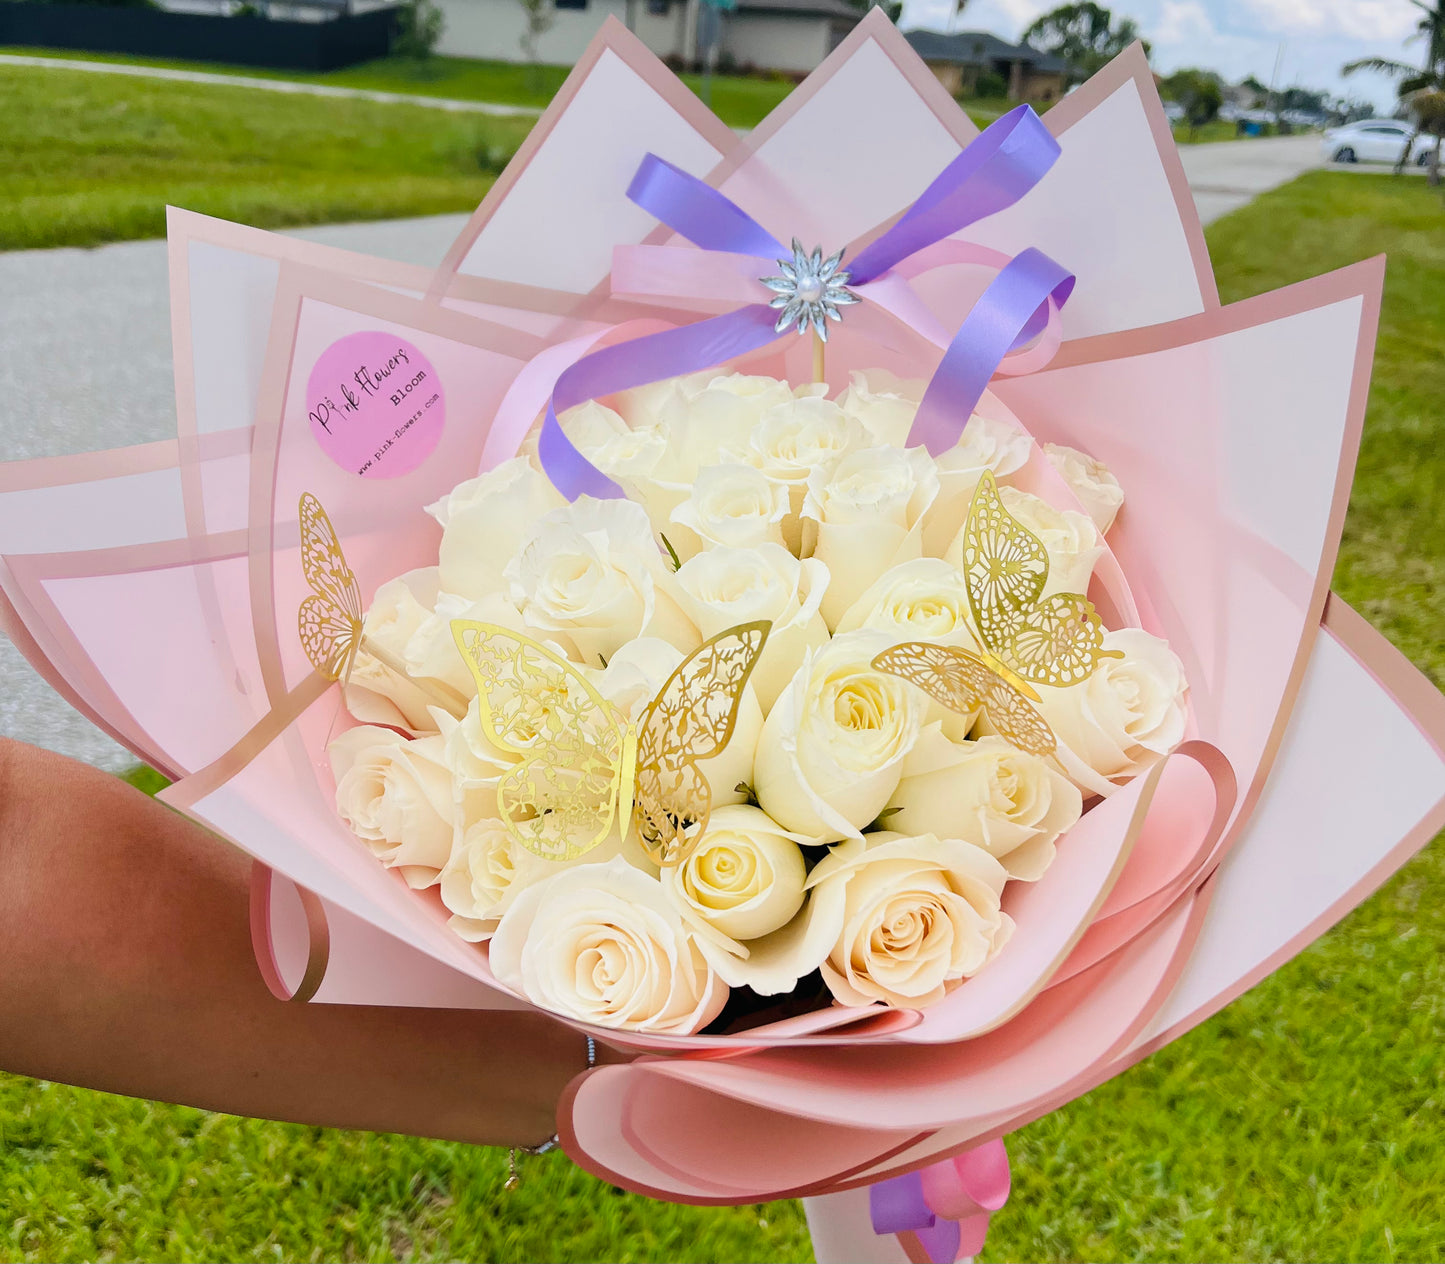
x=272, y=85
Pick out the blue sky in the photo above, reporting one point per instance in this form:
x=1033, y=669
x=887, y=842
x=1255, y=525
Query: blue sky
x=1235, y=37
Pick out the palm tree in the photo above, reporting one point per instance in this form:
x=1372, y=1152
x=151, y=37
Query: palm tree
x=1418, y=84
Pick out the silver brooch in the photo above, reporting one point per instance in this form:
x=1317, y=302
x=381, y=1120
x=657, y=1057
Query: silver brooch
x=810, y=291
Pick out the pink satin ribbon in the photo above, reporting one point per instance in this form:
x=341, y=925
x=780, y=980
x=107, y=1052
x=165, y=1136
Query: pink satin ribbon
x=941, y=1212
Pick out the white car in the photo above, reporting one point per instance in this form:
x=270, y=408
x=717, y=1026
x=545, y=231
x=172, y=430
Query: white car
x=1372, y=140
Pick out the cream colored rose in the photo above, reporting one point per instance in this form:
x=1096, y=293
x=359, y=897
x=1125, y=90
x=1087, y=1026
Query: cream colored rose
x=743, y=879
x=1091, y=481
x=798, y=436
x=922, y=600
x=590, y=572
x=832, y=748
x=653, y=403
x=1012, y=804
x=986, y=444
x=884, y=403
x=479, y=875
x=602, y=943
x=732, y=505
x=396, y=795
x=636, y=674
x=723, y=587
x=868, y=510
x=1128, y=713
x=385, y=685
x=1071, y=539
x=488, y=869
x=432, y=655
x=484, y=522
x=914, y=916
x=605, y=439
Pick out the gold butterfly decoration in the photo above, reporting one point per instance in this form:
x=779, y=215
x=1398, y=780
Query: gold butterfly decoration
x=1027, y=639
x=582, y=765
x=330, y=618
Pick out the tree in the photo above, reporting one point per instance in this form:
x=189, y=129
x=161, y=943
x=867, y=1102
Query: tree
x=1200, y=92
x=419, y=25
x=1429, y=110
x=1085, y=35
x=539, y=15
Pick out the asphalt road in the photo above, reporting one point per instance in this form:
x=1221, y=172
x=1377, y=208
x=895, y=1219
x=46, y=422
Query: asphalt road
x=86, y=362
x=1224, y=176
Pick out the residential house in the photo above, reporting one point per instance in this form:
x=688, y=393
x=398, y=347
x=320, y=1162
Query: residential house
x=786, y=35
x=962, y=59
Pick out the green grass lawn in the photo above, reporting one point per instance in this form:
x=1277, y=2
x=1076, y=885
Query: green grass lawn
x=739, y=100
x=88, y=158
x=1303, y=1123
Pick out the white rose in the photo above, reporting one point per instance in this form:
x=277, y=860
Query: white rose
x=398, y=619
x=1091, y=481
x=723, y=587
x=743, y=879
x=591, y=572
x=1128, y=713
x=651, y=404
x=605, y=439
x=832, y=748
x=922, y=600
x=480, y=873
x=794, y=438
x=396, y=795
x=706, y=420
x=1012, y=804
x=1071, y=540
x=869, y=511
x=602, y=943
x=635, y=676
x=488, y=869
x=431, y=653
x=913, y=916
x=485, y=520
x=732, y=505
x=986, y=444
x=884, y=403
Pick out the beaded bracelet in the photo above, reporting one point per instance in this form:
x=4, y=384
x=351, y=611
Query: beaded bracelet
x=551, y=1143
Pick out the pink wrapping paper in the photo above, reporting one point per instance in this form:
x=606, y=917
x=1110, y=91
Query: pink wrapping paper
x=157, y=588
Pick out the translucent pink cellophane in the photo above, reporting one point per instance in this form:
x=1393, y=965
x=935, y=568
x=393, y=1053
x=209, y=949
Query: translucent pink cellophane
x=157, y=588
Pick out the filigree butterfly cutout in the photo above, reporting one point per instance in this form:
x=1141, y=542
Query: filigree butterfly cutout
x=582, y=765
x=1026, y=638
x=330, y=618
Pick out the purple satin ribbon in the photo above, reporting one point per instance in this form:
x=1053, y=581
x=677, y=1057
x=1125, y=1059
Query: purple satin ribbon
x=946, y=1205
x=1002, y=164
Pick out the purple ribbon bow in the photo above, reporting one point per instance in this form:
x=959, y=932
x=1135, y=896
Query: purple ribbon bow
x=941, y=1212
x=1002, y=164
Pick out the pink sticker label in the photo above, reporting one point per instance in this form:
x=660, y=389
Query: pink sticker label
x=375, y=404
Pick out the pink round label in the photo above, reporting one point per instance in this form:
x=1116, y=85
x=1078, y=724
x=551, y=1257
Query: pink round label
x=375, y=404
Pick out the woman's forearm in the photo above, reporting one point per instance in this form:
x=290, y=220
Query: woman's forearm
x=125, y=965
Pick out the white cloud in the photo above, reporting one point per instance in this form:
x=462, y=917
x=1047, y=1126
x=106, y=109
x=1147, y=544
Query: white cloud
x=1354, y=19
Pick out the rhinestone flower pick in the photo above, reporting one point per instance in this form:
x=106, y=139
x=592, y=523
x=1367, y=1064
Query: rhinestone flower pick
x=810, y=291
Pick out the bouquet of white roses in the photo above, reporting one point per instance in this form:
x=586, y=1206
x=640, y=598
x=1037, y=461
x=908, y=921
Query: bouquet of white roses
x=830, y=810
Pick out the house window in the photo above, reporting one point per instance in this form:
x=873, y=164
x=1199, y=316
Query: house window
x=659, y=8
x=569, y=4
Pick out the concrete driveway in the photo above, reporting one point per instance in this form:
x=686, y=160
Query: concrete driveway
x=86, y=362
x=1224, y=176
